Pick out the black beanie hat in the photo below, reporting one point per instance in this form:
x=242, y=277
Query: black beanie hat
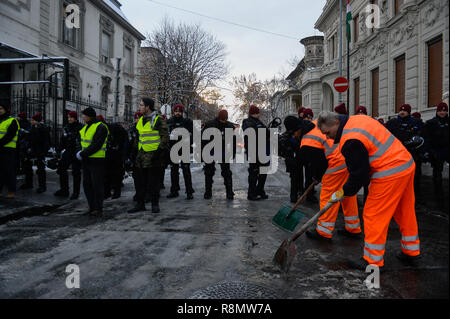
x=293, y=123
x=90, y=112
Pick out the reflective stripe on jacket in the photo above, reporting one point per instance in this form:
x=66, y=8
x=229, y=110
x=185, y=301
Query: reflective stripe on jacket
x=315, y=138
x=149, y=139
x=4, y=125
x=87, y=136
x=387, y=155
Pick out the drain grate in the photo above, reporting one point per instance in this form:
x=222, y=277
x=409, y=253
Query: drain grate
x=235, y=290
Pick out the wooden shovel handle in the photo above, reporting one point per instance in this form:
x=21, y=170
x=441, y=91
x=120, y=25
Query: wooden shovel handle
x=310, y=222
x=302, y=198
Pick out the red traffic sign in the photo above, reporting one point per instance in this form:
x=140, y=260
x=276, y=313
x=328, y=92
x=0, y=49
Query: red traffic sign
x=341, y=84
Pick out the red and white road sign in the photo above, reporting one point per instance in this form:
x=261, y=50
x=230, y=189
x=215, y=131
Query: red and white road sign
x=341, y=84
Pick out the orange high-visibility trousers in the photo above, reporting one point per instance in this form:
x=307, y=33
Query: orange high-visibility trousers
x=330, y=184
x=390, y=197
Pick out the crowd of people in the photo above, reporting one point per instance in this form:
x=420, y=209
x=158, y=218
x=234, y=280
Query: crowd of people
x=344, y=153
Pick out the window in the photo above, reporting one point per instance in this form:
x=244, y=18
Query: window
x=332, y=48
x=106, y=45
x=356, y=99
x=128, y=103
x=374, y=2
x=105, y=92
x=356, y=28
x=74, y=88
x=399, y=82
x=375, y=92
x=128, y=61
x=398, y=4
x=70, y=36
x=435, y=73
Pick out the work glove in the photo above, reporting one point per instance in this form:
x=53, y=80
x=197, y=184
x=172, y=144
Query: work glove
x=79, y=156
x=337, y=196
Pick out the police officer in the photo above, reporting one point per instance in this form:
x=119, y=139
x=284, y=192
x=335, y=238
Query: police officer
x=9, y=130
x=178, y=121
x=289, y=149
x=69, y=146
x=39, y=146
x=94, y=138
x=221, y=123
x=152, y=142
x=436, y=134
x=405, y=127
x=115, y=159
x=256, y=180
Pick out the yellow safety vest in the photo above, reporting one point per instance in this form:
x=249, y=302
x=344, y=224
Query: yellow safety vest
x=4, y=125
x=149, y=138
x=88, y=135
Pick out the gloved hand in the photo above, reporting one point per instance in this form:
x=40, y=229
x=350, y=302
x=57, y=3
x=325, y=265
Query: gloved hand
x=79, y=156
x=337, y=196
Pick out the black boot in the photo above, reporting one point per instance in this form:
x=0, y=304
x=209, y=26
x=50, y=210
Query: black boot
x=74, y=196
x=189, y=196
x=41, y=189
x=229, y=188
x=313, y=234
x=172, y=195
x=260, y=187
x=155, y=209
x=62, y=193
x=138, y=208
x=208, y=187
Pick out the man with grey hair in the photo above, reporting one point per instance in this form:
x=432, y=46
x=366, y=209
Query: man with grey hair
x=373, y=155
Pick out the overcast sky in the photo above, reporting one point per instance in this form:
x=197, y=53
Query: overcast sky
x=249, y=51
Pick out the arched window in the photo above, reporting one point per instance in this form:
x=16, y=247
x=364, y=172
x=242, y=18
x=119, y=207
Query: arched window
x=105, y=92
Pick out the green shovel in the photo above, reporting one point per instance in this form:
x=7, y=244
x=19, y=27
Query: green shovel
x=288, y=218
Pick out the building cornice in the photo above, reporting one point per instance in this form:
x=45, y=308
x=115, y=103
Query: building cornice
x=325, y=12
x=116, y=17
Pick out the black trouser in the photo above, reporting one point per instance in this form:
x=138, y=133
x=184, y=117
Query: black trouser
x=210, y=170
x=113, y=176
x=42, y=177
x=148, y=179
x=93, y=182
x=438, y=167
x=69, y=159
x=294, y=175
x=175, y=177
x=8, y=162
x=256, y=181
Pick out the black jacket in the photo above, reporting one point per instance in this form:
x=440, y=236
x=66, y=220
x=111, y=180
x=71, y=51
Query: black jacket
x=40, y=141
x=97, y=141
x=436, y=135
x=252, y=123
x=180, y=122
x=70, y=141
x=357, y=161
x=11, y=132
x=117, y=142
x=404, y=128
x=221, y=126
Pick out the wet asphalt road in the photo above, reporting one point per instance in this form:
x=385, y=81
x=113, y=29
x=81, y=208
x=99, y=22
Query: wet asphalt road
x=193, y=245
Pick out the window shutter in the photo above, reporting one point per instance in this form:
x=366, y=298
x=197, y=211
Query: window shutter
x=375, y=92
x=435, y=76
x=399, y=82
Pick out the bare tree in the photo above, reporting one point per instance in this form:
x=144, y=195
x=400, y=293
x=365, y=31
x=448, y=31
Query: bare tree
x=190, y=61
x=249, y=90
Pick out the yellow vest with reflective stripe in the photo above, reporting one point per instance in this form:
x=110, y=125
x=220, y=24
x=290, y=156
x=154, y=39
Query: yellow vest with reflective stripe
x=149, y=138
x=87, y=136
x=4, y=129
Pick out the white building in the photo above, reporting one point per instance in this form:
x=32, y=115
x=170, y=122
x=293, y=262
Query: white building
x=404, y=60
x=33, y=28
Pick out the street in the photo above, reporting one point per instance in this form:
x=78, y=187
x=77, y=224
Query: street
x=202, y=248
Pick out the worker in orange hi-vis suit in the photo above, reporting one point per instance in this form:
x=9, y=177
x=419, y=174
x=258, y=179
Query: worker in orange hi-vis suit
x=371, y=151
x=328, y=165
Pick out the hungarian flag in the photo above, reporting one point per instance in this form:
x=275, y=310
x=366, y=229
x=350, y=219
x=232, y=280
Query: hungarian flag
x=348, y=19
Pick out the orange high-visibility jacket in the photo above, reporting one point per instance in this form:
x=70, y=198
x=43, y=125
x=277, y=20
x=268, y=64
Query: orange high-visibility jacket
x=387, y=155
x=315, y=138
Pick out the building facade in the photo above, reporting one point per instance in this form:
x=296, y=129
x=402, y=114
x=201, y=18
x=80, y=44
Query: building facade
x=405, y=59
x=102, y=46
